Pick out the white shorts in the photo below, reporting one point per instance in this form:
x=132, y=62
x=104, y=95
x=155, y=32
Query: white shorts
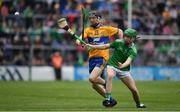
x=120, y=73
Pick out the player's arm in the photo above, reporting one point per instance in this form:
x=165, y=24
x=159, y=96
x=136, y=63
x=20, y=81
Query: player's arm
x=129, y=59
x=113, y=31
x=78, y=42
x=120, y=34
x=102, y=46
x=126, y=63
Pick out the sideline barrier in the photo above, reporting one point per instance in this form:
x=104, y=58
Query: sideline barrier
x=139, y=73
x=39, y=73
x=46, y=73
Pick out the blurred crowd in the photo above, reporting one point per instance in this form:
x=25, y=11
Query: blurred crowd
x=34, y=33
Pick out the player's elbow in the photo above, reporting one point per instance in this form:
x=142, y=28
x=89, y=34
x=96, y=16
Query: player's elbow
x=120, y=33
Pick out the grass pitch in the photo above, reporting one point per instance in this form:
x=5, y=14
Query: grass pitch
x=79, y=96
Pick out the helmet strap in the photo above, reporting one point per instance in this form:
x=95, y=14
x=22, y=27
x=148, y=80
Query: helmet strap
x=96, y=25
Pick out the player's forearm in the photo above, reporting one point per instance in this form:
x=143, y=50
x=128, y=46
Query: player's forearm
x=126, y=63
x=102, y=46
x=120, y=33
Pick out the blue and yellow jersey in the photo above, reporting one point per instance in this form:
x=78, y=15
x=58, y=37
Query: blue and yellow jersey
x=98, y=36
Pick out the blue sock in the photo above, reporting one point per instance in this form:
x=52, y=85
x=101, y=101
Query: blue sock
x=108, y=96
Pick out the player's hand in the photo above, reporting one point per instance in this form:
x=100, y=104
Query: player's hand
x=78, y=42
x=87, y=45
x=90, y=45
x=120, y=65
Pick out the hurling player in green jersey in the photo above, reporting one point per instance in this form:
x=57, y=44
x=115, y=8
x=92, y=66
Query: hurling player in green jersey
x=119, y=65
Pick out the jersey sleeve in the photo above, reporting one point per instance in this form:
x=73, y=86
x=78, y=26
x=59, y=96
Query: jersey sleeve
x=133, y=54
x=112, y=30
x=114, y=44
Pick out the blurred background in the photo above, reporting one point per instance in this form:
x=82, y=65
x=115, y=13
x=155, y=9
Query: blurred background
x=32, y=47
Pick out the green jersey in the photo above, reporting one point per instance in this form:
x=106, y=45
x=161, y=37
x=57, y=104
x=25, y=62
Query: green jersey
x=121, y=53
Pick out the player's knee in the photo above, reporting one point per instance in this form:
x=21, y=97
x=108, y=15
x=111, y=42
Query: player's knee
x=92, y=80
x=110, y=76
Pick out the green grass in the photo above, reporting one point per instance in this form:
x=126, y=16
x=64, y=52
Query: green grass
x=78, y=95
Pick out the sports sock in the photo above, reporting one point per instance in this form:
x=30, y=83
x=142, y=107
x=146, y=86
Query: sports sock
x=108, y=96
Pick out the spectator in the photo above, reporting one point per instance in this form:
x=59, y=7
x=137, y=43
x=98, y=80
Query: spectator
x=4, y=11
x=38, y=59
x=2, y=60
x=19, y=59
x=37, y=21
x=57, y=61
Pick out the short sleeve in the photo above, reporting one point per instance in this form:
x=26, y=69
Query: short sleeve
x=133, y=54
x=112, y=30
x=114, y=44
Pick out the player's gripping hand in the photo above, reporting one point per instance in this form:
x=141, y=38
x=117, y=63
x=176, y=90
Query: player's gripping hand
x=120, y=65
x=79, y=43
x=88, y=46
